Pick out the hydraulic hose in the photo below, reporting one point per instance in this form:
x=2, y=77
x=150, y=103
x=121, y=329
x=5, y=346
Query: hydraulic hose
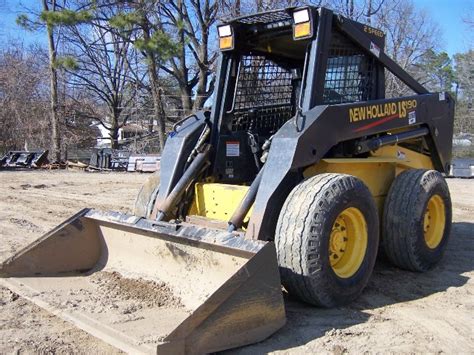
x=189, y=175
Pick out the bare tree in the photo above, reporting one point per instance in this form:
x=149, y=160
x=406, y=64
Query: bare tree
x=410, y=35
x=464, y=77
x=468, y=20
x=24, y=102
x=55, y=133
x=40, y=21
x=173, y=37
x=53, y=15
x=359, y=10
x=22, y=96
x=140, y=22
x=191, y=67
x=229, y=8
x=103, y=63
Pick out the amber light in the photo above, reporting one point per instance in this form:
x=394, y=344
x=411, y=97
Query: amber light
x=302, y=30
x=226, y=43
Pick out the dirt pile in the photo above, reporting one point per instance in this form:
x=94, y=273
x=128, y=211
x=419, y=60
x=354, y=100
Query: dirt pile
x=147, y=293
x=7, y=296
x=25, y=224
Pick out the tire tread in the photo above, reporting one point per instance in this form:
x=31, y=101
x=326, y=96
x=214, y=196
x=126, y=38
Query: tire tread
x=297, y=239
x=404, y=206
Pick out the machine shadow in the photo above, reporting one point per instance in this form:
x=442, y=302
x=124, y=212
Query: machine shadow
x=389, y=285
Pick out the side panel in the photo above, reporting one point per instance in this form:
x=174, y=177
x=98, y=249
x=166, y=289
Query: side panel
x=323, y=127
x=377, y=172
x=217, y=201
x=405, y=158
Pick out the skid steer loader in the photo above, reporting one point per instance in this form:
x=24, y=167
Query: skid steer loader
x=302, y=170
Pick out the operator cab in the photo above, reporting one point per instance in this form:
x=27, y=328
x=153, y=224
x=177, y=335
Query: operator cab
x=266, y=72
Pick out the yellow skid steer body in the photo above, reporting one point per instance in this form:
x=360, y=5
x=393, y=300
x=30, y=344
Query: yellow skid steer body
x=152, y=287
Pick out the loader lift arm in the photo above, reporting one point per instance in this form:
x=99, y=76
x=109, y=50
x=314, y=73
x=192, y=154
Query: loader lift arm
x=357, y=36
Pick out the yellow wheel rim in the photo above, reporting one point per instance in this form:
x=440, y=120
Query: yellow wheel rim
x=434, y=221
x=348, y=242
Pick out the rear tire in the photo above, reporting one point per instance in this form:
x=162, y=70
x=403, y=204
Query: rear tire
x=327, y=239
x=417, y=220
x=147, y=195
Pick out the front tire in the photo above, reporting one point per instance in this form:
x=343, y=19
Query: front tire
x=417, y=220
x=327, y=239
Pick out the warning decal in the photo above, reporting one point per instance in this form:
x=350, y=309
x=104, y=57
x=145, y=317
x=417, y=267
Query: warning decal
x=232, y=149
x=375, y=49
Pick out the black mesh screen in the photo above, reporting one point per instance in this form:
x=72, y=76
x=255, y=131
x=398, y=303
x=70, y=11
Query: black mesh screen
x=263, y=95
x=267, y=18
x=261, y=82
x=265, y=121
x=350, y=74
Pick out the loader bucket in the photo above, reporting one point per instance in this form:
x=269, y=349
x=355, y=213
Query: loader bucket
x=152, y=287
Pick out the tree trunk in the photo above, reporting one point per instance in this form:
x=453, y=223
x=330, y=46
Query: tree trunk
x=158, y=110
x=350, y=8
x=236, y=10
x=55, y=132
x=203, y=79
x=185, y=89
x=186, y=99
x=369, y=12
x=114, y=136
x=157, y=102
x=115, y=126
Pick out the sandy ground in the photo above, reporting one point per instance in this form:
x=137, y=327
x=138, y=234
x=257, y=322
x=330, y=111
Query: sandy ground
x=401, y=312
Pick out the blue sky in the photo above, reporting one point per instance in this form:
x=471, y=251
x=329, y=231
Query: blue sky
x=447, y=14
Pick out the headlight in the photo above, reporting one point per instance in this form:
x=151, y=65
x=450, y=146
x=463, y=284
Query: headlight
x=224, y=31
x=301, y=16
